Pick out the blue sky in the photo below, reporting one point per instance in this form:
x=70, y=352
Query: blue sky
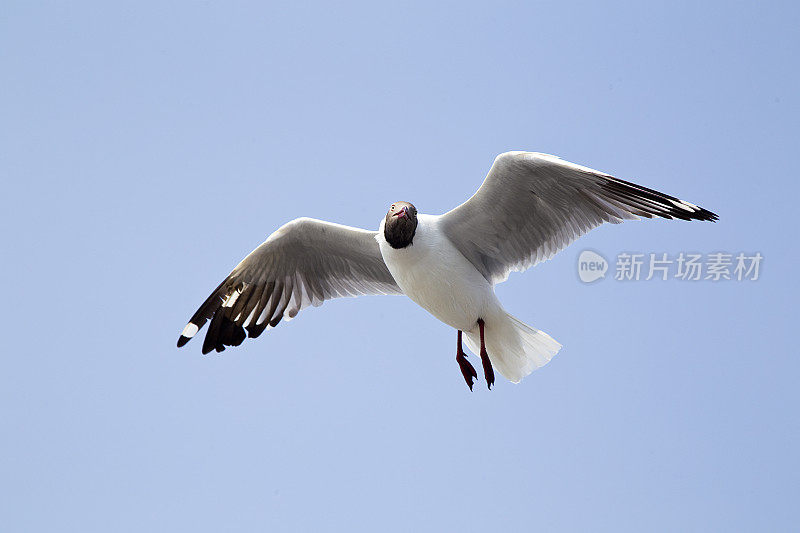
x=145, y=148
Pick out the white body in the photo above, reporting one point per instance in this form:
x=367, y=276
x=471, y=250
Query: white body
x=435, y=275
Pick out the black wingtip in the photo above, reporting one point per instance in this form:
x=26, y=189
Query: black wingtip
x=649, y=202
x=183, y=340
x=704, y=215
x=712, y=217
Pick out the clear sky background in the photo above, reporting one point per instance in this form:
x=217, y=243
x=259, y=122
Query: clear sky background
x=145, y=148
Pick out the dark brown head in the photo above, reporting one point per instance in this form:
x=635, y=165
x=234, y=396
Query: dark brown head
x=401, y=224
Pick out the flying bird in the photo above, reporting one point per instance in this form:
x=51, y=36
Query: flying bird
x=529, y=207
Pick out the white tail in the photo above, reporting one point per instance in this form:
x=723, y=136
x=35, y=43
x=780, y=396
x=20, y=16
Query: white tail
x=515, y=348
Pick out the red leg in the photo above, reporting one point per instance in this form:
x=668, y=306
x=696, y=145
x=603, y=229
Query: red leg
x=467, y=370
x=488, y=371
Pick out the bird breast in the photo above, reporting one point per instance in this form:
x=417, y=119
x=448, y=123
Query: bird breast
x=435, y=275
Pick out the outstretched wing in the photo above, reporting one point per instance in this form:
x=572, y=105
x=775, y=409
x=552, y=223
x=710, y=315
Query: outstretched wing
x=532, y=205
x=303, y=263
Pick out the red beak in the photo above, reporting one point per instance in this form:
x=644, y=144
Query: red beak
x=403, y=213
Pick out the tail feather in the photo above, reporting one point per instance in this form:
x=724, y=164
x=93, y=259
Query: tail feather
x=515, y=348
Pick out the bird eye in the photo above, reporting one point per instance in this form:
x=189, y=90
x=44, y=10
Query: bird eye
x=392, y=206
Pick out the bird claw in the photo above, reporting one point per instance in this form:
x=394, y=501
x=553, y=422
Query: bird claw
x=467, y=370
x=488, y=371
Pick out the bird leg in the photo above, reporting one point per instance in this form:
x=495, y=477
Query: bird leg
x=488, y=371
x=467, y=370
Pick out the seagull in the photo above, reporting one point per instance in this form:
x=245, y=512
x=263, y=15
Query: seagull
x=529, y=207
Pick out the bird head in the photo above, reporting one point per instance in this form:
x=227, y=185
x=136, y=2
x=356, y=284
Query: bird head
x=401, y=224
